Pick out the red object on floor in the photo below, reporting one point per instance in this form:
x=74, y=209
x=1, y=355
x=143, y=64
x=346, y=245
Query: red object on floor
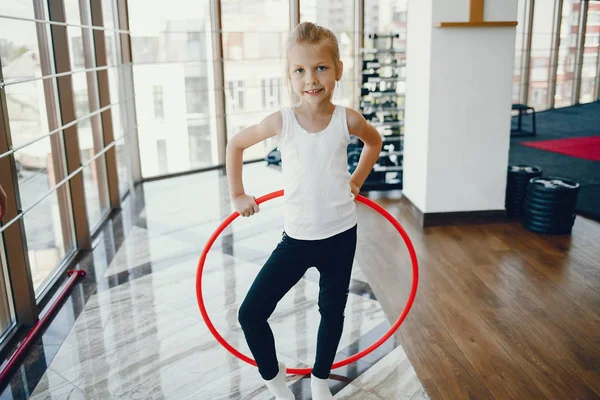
x=40, y=324
x=582, y=147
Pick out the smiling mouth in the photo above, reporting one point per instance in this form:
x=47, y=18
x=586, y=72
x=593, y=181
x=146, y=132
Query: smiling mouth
x=314, y=91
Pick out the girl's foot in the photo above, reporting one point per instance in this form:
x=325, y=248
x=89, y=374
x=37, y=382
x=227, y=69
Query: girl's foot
x=278, y=387
x=320, y=388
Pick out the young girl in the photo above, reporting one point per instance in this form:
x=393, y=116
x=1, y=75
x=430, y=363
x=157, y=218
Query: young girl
x=319, y=210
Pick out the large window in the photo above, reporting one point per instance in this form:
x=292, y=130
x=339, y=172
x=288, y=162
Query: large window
x=254, y=35
x=87, y=102
x=377, y=20
x=40, y=158
x=589, y=69
x=174, y=82
x=174, y=74
x=49, y=132
x=565, y=74
x=520, y=43
x=541, y=45
x=571, y=46
x=120, y=82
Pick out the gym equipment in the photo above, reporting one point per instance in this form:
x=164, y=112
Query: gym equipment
x=273, y=158
x=550, y=205
x=518, y=179
x=522, y=110
x=382, y=105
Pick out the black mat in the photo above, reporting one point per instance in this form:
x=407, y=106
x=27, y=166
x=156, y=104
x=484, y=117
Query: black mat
x=571, y=122
x=588, y=201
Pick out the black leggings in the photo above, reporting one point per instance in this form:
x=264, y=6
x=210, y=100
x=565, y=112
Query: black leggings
x=333, y=257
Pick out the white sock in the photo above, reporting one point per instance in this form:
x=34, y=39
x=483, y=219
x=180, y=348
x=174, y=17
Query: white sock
x=278, y=387
x=319, y=388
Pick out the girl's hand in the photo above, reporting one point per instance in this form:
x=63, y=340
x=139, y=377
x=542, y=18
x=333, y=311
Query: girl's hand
x=245, y=205
x=355, y=189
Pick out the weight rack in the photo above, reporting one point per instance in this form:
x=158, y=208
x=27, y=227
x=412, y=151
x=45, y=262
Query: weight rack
x=382, y=105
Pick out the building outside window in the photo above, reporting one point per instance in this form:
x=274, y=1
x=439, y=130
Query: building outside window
x=195, y=94
x=236, y=95
x=159, y=107
x=271, y=92
x=161, y=150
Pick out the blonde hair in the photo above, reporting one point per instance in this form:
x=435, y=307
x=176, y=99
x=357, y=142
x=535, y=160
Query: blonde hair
x=309, y=33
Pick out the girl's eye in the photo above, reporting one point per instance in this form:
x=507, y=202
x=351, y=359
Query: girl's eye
x=321, y=68
x=299, y=70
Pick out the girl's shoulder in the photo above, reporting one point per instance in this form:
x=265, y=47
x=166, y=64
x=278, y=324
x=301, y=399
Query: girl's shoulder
x=272, y=123
x=353, y=117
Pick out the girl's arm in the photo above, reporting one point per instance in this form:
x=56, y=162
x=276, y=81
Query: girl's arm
x=268, y=127
x=359, y=127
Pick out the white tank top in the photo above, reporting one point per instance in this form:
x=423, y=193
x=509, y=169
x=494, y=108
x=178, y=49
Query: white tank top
x=318, y=201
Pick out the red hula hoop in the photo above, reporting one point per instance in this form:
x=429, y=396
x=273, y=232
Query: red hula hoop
x=341, y=363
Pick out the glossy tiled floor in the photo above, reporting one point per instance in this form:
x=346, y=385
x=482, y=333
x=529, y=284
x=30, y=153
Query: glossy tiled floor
x=132, y=328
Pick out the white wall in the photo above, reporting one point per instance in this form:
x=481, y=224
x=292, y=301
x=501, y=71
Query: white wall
x=471, y=124
x=418, y=72
x=457, y=160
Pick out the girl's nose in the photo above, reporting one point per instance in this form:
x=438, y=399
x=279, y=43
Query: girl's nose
x=311, y=79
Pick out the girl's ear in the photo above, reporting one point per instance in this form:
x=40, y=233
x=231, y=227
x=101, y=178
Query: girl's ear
x=340, y=70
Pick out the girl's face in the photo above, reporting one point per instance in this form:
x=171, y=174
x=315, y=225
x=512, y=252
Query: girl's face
x=313, y=71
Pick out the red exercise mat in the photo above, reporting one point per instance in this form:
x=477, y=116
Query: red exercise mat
x=583, y=147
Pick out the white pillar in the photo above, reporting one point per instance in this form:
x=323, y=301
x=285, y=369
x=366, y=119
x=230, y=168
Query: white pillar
x=458, y=106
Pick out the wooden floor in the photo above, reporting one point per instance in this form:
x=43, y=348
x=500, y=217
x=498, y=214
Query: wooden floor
x=500, y=313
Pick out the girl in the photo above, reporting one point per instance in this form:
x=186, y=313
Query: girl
x=319, y=210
